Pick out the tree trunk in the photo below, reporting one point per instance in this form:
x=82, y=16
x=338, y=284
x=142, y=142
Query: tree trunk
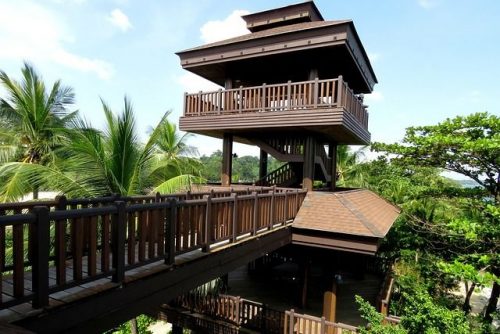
x=133, y=326
x=492, y=303
x=469, y=290
x=35, y=192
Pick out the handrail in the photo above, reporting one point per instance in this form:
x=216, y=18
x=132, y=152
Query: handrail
x=296, y=323
x=108, y=239
x=278, y=176
x=312, y=94
x=385, y=294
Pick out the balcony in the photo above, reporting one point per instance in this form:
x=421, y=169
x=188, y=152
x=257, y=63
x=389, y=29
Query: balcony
x=328, y=107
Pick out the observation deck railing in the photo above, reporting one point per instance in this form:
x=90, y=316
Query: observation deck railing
x=313, y=94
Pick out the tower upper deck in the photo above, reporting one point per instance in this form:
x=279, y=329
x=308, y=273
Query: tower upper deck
x=291, y=61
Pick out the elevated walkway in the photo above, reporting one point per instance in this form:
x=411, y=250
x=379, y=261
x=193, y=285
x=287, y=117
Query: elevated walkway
x=84, y=266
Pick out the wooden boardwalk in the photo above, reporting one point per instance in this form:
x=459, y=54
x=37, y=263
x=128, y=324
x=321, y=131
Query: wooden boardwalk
x=78, y=252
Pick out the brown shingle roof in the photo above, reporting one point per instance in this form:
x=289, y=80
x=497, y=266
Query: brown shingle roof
x=270, y=32
x=356, y=212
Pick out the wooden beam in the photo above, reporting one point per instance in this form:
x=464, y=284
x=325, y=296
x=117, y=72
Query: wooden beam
x=332, y=153
x=308, y=169
x=227, y=159
x=262, y=164
x=330, y=303
x=111, y=308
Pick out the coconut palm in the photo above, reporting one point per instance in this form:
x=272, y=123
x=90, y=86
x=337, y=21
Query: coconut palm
x=173, y=156
x=34, y=124
x=114, y=160
x=350, y=172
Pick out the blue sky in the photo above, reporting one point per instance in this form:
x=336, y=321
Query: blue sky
x=433, y=58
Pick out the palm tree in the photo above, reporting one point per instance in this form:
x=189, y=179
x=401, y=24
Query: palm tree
x=114, y=160
x=350, y=172
x=34, y=124
x=173, y=156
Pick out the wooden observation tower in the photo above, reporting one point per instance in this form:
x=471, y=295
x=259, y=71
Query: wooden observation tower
x=293, y=87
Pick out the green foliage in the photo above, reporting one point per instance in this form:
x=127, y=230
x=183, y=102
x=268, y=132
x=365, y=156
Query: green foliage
x=375, y=320
x=245, y=168
x=33, y=125
x=143, y=322
x=468, y=145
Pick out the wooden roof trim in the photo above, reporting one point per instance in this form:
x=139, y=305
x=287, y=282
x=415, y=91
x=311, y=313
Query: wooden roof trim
x=278, y=31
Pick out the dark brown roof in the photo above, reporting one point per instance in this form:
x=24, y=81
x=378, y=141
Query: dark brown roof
x=355, y=212
x=270, y=32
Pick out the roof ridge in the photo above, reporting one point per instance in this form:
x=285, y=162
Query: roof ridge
x=346, y=203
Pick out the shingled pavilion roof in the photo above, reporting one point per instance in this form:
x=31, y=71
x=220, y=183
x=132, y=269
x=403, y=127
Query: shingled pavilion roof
x=358, y=212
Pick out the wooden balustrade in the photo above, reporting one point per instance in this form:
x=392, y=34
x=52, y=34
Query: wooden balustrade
x=235, y=310
x=313, y=94
x=279, y=176
x=59, y=244
x=296, y=323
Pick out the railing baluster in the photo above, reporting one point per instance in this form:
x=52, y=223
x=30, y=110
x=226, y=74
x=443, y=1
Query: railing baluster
x=40, y=269
x=170, y=233
x=119, y=221
x=60, y=246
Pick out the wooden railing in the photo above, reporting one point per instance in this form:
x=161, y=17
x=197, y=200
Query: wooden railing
x=287, y=145
x=296, y=323
x=314, y=94
x=55, y=245
x=235, y=310
x=279, y=176
x=384, y=296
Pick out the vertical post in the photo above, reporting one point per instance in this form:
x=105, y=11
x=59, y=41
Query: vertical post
x=219, y=101
x=255, y=213
x=200, y=102
x=227, y=159
x=271, y=211
x=170, y=233
x=60, y=246
x=240, y=98
x=41, y=257
x=289, y=94
x=208, y=221
x=291, y=329
x=308, y=168
x=340, y=90
x=332, y=152
x=185, y=104
x=262, y=164
x=264, y=97
x=330, y=303
x=315, y=92
x=119, y=225
x=235, y=216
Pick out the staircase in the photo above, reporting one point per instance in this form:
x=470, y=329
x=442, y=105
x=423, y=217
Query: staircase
x=284, y=176
x=291, y=150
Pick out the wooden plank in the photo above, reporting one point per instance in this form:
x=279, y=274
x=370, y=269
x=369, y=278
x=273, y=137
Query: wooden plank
x=77, y=237
x=105, y=242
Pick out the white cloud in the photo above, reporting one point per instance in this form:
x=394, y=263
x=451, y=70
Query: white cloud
x=374, y=97
x=41, y=37
x=119, y=19
x=193, y=83
x=231, y=26
x=427, y=4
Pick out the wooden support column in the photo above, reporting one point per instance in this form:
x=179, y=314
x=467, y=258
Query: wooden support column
x=262, y=164
x=308, y=169
x=305, y=266
x=332, y=153
x=227, y=159
x=330, y=303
